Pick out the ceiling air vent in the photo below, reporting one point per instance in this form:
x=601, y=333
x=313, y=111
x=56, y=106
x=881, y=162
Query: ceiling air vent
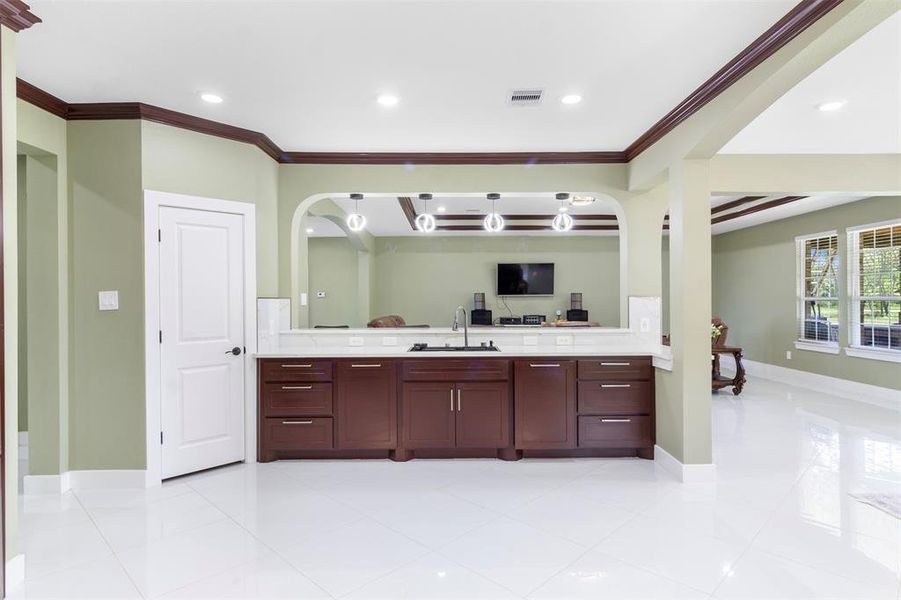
x=528, y=97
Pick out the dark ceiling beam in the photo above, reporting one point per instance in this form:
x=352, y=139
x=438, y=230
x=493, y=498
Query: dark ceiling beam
x=406, y=205
x=475, y=217
x=453, y=158
x=756, y=208
x=733, y=203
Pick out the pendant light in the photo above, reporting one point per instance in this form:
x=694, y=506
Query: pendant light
x=425, y=222
x=562, y=222
x=356, y=221
x=493, y=222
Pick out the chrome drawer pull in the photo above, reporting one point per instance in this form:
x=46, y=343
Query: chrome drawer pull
x=365, y=366
x=310, y=422
x=616, y=385
x=452, y=400
x=544, y=365
x=458, y=400
x=616, y=420
x=604, y=364
x=296, y=366
x=297, y=387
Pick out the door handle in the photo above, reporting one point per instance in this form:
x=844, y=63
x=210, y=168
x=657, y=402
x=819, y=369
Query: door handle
x=452, y=399
x=236, y=351
x=459, y=392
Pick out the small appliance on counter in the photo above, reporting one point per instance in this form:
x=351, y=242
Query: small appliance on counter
x=575, y=312
x=533, y=319
x=509, y=321
x=479, y=314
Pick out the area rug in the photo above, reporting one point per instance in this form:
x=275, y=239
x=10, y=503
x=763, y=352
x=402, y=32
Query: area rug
x=890, y=503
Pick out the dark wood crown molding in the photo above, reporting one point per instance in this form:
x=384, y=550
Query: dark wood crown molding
x=802, y=16
x=453, y=158
x=16, y=15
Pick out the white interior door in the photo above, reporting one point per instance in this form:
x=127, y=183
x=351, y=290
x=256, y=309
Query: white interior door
x=202, y=339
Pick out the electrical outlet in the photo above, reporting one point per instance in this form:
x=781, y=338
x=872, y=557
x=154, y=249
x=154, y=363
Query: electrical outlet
x=564, y=340
x=389, y=341
x=788, y=355
x=355, y=341
x=644, y=325
x=108, y=300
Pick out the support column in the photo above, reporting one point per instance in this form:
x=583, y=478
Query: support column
x=683, y=395
x=640, y=247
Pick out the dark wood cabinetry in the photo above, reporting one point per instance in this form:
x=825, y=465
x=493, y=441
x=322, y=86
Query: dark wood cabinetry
x=545, y=405
x=455, y=407
x=366, y=403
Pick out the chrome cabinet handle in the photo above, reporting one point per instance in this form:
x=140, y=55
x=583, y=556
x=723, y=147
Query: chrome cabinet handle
x=308, y=422
x=296, y=366
x=616, y=385
x=458, y=400
x=615, y=364
x=365, y=366
x=534, y=365
x=616, y=420
x=452, y=399
x=297, y=387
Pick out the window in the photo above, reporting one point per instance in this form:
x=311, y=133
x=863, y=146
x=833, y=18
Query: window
x=875, y=272
x=818, y=291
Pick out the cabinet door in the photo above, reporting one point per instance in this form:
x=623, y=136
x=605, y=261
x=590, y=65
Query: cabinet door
x=545, y=404
x=483, y=414
x=366, y=405
x=429, y=410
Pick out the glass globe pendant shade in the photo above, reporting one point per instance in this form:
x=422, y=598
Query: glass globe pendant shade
x=425, y=223
x=356, y=222
x=493, y=223
x=562, y=222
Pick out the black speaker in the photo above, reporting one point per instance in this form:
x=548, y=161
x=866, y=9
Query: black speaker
x=480, y=316
x=478, y=301
x=575, y=300
x=576, y=315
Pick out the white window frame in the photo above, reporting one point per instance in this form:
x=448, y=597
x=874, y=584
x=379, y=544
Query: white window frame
x=827, y=347
x=854, y=347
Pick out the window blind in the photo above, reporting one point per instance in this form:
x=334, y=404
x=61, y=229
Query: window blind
x=818, y=289
x=875, y=259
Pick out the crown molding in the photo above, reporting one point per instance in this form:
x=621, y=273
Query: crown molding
x=16, y=15
x=453, y=158
x=795, y=22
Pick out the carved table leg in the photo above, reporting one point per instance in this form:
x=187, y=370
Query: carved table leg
x=739, y=380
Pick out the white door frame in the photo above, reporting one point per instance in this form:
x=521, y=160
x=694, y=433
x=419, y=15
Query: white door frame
x=153, y=201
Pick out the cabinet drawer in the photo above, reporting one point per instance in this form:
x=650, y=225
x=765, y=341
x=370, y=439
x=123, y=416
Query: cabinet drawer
x=445, y=369
x=296, y=369
x=297, y=434
x=297, y=399
x=615, y=397
x=615, y=432
x=619, y=367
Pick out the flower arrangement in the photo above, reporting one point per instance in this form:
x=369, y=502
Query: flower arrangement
x=715, y=331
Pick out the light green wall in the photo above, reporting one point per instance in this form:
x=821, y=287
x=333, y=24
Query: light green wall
x=334, y=269
x=424, y=280
x=184, y=162
x=754, y=290
x=107, y=350
x=23, y=296
x=42, y=142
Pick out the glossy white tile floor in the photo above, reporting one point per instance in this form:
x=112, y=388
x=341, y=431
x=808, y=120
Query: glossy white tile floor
x=778, y=523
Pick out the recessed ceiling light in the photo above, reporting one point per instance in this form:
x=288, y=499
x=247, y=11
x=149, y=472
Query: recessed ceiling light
x=442, y=209
x=571, y=99
x=831, y=105
x=309, y=230
x=211, y=98
x=387, y=100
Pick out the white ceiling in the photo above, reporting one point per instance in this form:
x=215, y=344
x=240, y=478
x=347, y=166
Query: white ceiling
x=866, y=75
x=307, y=73
x=386, y=219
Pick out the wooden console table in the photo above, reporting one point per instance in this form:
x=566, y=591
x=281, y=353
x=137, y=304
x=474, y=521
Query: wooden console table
x=719, y=381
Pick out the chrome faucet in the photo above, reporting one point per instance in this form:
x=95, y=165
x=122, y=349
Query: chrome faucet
x=456, y=326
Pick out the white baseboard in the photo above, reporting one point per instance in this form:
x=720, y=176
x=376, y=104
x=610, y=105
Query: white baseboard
x=85, y=480
x=14, y=574
x=702, y=473
x=853, y=390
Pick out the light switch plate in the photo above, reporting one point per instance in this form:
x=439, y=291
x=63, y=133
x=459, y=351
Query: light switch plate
x=303, y=299
x=108, y=300
x=355, y=341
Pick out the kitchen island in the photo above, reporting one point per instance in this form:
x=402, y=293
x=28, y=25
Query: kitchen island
x=545, y=392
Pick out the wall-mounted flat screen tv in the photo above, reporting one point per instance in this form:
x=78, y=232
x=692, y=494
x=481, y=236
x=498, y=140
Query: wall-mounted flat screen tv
x=525, y=279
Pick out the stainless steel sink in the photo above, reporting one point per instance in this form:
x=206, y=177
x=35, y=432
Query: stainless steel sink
x=489, y=347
